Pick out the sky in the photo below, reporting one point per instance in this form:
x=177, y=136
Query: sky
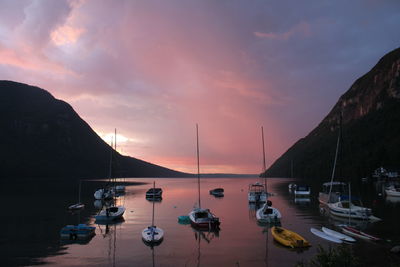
x=152, y=69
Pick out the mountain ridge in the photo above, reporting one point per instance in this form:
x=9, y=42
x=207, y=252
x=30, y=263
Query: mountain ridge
x=44, y=137
x=371, y=112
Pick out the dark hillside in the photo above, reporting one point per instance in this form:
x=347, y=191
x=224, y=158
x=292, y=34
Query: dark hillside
x=43, y=137
x=371, y=129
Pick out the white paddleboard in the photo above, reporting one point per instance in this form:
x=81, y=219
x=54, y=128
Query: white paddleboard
x=325, y=236
x=337, y=235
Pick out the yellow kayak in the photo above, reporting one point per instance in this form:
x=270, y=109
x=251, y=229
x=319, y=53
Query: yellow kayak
x=289, y=238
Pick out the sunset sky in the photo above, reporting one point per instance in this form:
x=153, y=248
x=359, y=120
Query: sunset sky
x=153, y=69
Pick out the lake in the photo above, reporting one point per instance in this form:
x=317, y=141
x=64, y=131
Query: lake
x=35, y=213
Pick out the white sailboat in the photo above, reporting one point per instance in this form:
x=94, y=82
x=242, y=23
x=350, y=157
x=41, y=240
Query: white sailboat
x=112, y=212
x=267, y=213
x=152, y=234
x=337, y=203
x=258, y=192
x=346, y=208
x=201, y=217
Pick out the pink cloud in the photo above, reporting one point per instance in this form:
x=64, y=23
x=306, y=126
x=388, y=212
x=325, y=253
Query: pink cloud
x=152, y=69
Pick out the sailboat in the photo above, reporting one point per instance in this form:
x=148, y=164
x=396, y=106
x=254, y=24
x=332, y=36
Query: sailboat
x=338, y=203
x=118, y=188
x=79, y=205
x=107, y=193
x=345, y=207
x=200, y=217
x=112, y=212
x=267, y=213
x=152, y=234
x=258, y=192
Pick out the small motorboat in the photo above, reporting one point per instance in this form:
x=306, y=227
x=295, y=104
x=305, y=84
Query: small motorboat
x=154, y=193
x=110, y=213
x=203, y=218
x=104, y=194
x=257, y=193
x=325, y=236
x=289, y=238
x=302, y=190
x=77, y=206
x=217, y=192
x=74, y=232
x=338, y=235
x=392, y=191
x=268, y=214
x=357, y=233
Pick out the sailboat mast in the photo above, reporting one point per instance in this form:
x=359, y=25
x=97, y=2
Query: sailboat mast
x=198, y=162
x=291, y=168
x=334, y=167
x=264, y=165
x=111, y=152
x=154, y=190
x=79, y=197
x=115, y=148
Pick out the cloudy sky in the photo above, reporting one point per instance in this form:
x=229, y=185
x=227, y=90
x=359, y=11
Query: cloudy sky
x=153, y=69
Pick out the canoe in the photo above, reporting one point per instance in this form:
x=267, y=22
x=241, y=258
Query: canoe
x=289, y=238
x=325, y=236
x=337, y=235
x=357, y=233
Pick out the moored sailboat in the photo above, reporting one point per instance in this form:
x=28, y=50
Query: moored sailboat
x=152, y=234
x=201, y=217
x=267, y=213
x=111, y=212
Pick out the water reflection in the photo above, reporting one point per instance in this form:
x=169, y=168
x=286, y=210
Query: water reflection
x=205, y=235
x=393, y=200
x=253, y=207
x=302, y=201
x=242, y=243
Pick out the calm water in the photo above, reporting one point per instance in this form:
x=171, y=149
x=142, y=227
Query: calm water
x=31, y=235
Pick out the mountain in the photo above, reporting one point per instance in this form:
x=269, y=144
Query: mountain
x=43, y=137
x=370, y=130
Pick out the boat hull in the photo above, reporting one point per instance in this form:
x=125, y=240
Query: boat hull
x=203, y=219
x=268, y=214
x=354, y=232
x=392, y=193
x=111, y=214
x=355, y=212
x=73, y=232
x=325, y=236
x=152, y=235
x=338, y=235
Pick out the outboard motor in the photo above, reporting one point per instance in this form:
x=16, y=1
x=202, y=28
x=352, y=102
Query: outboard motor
x=269, y=203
